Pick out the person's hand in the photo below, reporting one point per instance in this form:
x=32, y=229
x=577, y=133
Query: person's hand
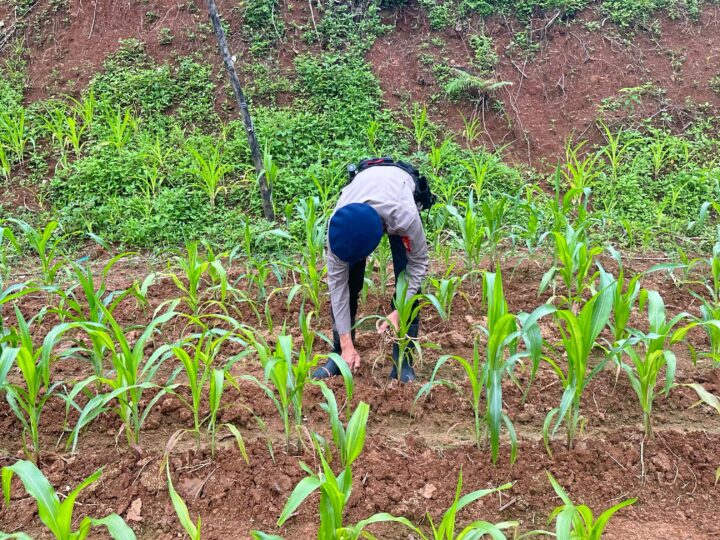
x=349, y=354
x=393, y=318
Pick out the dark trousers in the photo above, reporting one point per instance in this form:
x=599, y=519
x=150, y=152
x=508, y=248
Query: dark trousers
x=356, y=281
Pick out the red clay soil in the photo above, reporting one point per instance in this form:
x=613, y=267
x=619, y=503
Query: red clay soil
x=413, y=454
x=555, y=93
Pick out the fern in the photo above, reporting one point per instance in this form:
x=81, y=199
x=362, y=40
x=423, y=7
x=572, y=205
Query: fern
x=464, y=84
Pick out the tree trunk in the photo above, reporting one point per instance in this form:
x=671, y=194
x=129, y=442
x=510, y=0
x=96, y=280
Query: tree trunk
x=265, y=192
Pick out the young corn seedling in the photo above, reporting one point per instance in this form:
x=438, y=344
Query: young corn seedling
x=574, y=263
x=660, y=329
x=709, y=319
x=446, y=529
x=625, y=295
x=192, y=272
x=471, y=232
x=408, y=308
x=311, y=270
x=420, y=125
x=381, y=259
x=46, y=246
x=14, y=133
x=28, y=398
x=5, y=165
x=285, y=379
x=208, y=170
x=577, y=522
x=503, y=335
x=86, y=307
x=131, y=375
x=446, y=288
x=259, y=268
x=58, y=516
x=198, y=354
x=334, y=489
x=121, y=127
x=181, y=510
x=580, y=172
x=643, y=372
x=579, y=334
x=7, y=240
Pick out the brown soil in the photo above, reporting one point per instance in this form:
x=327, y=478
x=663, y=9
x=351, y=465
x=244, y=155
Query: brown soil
x=413, y=454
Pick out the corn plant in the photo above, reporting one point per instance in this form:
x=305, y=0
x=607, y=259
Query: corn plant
x=311, y=271
x=285, y=379
x=643, y=371
x=259, y=268
x=14, y=133
x=579, y=334
x=615, y=149
x=7, y=240
x=446, y=529
x=121, y=126
x=46, y=246
x=660, y=329
x=471, y=232
x=381, y=259
x=574, y=258
x=577, y=522
x=441, y=155
x=5, y=166
x=709, y=319
x=198, y=365
x=215, y=393
x=446, y=288
x=208, y=170
x=335, y=490
x=480, y=167
x=57, y=516
x=28, y=398
x=408, y=308
x=87, y=307
x=472, y=128
x=130, y=377
x=191, y=271
x=580, y=172
x=420, y=125
x=503, y=336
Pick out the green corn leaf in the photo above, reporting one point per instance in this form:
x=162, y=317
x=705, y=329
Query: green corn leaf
x=39, y=489
x=706, y=397
x=302, y=491
x=17, y=535
x=239, y=440
x=355, y=434
x=599, y=526
x=116, y=526
x=67, y=506
x=257, y=535
x=181, y=509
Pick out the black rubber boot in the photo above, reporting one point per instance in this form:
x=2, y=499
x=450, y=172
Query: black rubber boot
x=407, y=373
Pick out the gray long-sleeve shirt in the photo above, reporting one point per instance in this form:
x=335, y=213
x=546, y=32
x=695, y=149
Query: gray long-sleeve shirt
x=389, y=190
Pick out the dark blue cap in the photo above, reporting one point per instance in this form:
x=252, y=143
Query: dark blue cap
x=355, y=231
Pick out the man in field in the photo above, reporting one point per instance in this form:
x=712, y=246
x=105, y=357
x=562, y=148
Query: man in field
x=383, y=197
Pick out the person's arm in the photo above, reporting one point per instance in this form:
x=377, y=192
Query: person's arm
x=417, y=255
x=338, y=273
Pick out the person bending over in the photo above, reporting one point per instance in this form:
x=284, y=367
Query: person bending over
x=384, y=197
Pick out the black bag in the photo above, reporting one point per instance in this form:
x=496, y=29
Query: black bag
x=424, y=198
